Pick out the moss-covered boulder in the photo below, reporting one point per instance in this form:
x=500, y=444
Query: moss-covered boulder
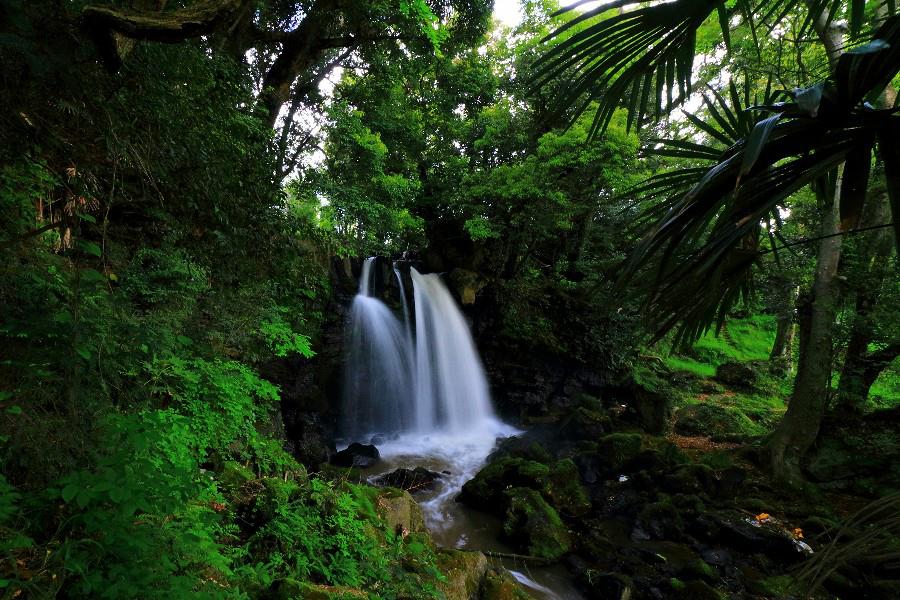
x=714, y=420
x=617, y=449
x=564, y=491
x=742, y=375
x=400, y=511
x=463, y=572
x=534, y=526
x=486, y=491
x=661, y=520
x=498, y=584
x=691, y=478
x=585, y=423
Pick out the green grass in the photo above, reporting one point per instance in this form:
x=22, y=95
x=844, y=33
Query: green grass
x=885, y=392
x=740, y=340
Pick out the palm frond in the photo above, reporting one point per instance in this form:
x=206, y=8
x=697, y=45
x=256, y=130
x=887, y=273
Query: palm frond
x=642, y=56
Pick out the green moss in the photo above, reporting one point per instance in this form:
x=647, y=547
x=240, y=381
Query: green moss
x=677, y=584
x=486, y=490
x=618, y=448
x=778, y=586
x=564, y=490
x=534, y=526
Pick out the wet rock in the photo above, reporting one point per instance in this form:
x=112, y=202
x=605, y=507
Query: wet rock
x=737, y=374
x=534, y=526
x=466, y=284
x=564, y=490
x=486, y=491
x=605, y=586
x=616, y=449
x=696, y=590
x=464, y=572
x=361, y=456
x=400, y=511
x=661, y=520
x=499, y=584
x=736, y=532
x=585, y=424
x=690, y=479
x=411, y=480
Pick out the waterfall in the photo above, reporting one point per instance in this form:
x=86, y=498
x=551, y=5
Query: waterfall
x=399, y=382
x=377, y=384
x=451, y=390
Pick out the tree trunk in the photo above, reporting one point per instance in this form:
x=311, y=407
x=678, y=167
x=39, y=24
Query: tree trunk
x=874, y=252
x=784, y=333
x=797, y=431
x=799, y=427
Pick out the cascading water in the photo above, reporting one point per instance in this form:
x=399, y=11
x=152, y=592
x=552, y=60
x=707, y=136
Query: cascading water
x=377, y=383
x=428, y=387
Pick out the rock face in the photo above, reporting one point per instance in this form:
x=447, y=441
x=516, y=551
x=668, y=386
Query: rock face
x=360, y=456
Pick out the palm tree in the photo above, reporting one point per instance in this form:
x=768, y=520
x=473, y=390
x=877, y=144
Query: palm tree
x=701, y=247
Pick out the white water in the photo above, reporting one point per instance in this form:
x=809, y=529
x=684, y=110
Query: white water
x=377, y=385
x=429, y=388
x=395, y=383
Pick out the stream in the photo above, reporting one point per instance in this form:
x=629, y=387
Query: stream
x=454, y=525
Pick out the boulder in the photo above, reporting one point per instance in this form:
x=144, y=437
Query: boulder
x=617, y=449
x=534, y=526
x=411, y=480
x=564, y=491
x=499, y=584
x=466, y=284
x=714, y=420
x=463, y=572
x=360, y=456
x=737, y=374
x=400, y=511
x=486, y=491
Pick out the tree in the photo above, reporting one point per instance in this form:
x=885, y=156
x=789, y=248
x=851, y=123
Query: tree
x=707, y=239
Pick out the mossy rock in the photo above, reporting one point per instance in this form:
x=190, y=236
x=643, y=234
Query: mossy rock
x=741, y=375
x=486, y=491
x=616, y=449
x=234, y=475
x=535, y=526
x=400, y=511
x=463, y=572
x=564, y=490
x=661, y=520
x=714, y=420
x=778, y=586
x=698, y=590
x=585, y=424
x=698, y=569
x=691, y=479
x=499, y=584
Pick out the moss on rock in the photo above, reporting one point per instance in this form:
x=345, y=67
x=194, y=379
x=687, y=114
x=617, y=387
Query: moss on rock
x=534, y=525
x=463, y=572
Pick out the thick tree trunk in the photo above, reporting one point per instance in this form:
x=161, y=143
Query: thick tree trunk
x=797, y=431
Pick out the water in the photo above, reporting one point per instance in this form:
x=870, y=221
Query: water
x=377, y=384
x=427, y=391
x=395, y=383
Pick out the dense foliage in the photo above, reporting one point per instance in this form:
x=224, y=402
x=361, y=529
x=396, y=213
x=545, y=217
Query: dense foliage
x=179, y=180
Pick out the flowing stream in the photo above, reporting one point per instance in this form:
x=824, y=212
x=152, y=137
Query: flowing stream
x=424, y=393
